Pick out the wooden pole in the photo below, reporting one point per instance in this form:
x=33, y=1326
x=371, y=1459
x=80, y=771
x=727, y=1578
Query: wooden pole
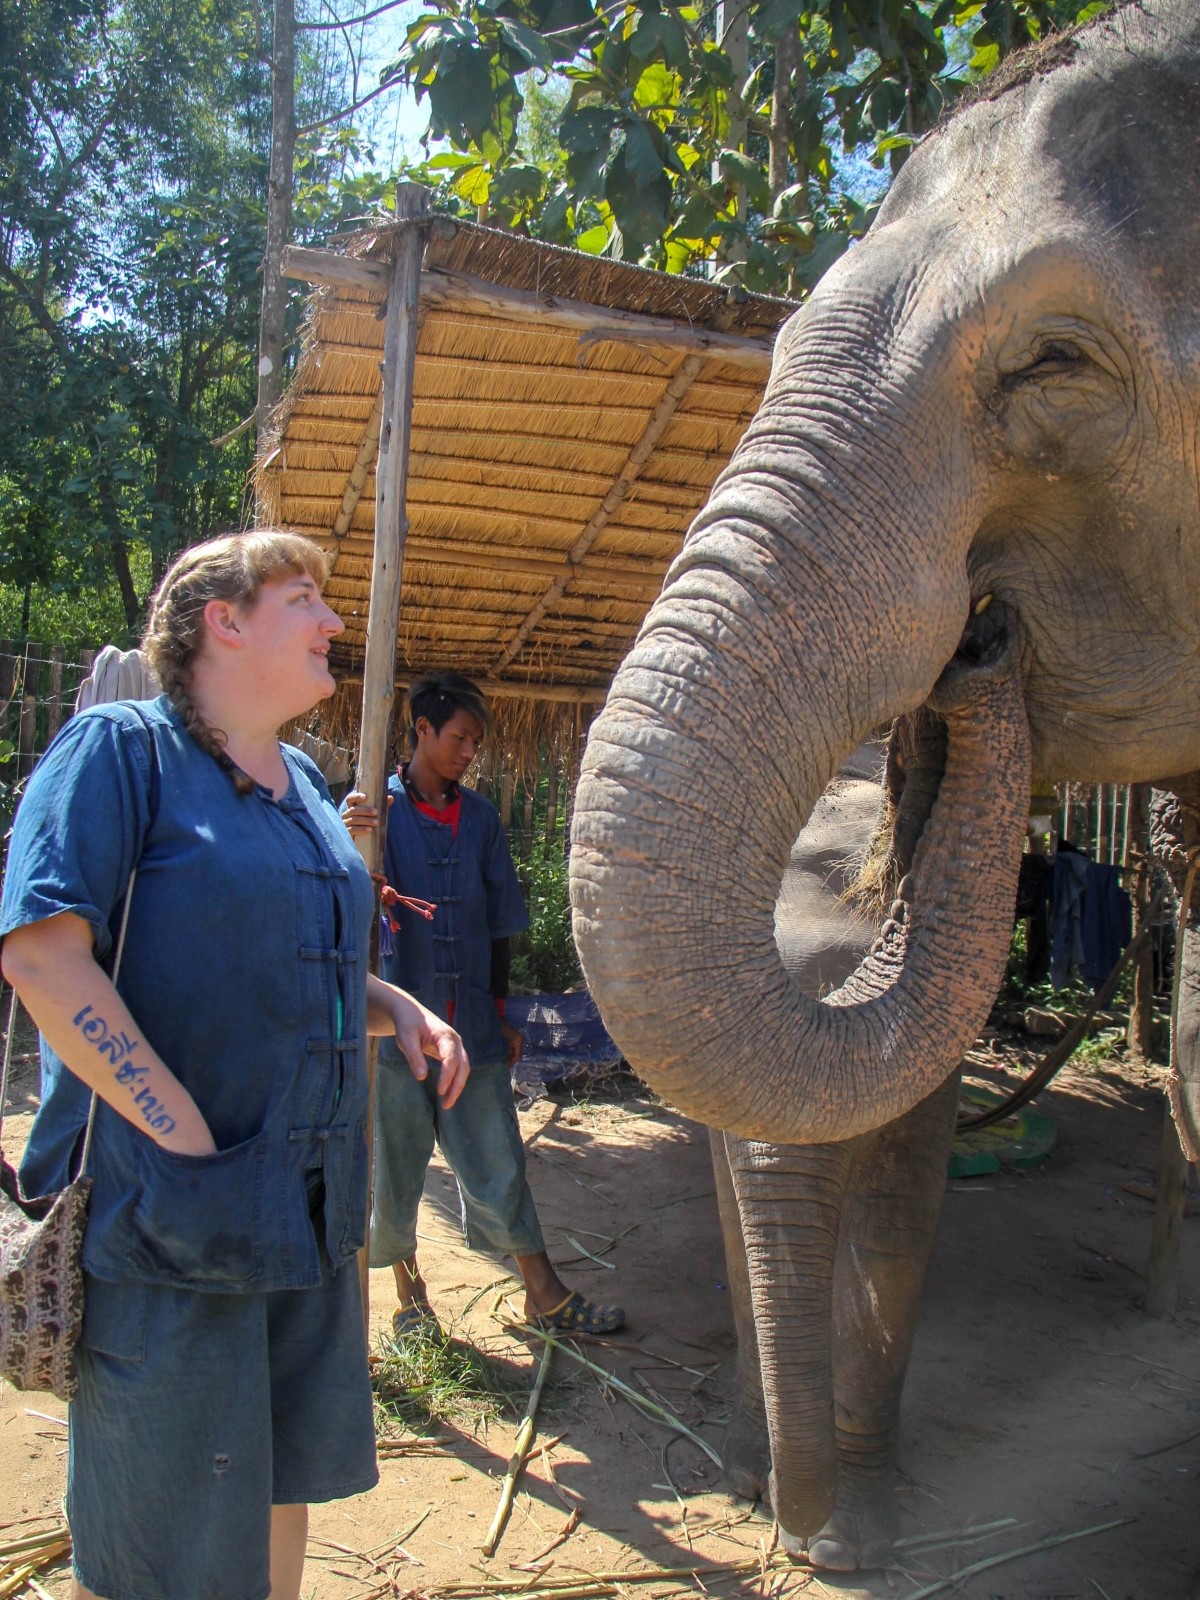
x=56, y=677
x=383, y=615
x=527, y=814
x=1137, y=864
x=27, y=734
x=552, y=800
x=1162, y=1274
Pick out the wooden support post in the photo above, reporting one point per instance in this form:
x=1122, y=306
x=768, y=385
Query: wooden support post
x=1137, y=864
x=552, y=801
x=27, y=734
x=1162, y=1273
x=391, y=530
x=56, y=677
x=8, y=678
x=506, y=800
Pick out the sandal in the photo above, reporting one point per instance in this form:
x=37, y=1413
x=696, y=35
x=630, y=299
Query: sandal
x=577, y=1315
x=415, y=1320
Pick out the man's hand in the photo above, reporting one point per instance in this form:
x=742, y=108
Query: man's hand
x=514, y=1043
x=358, y=816
x=419, y=1033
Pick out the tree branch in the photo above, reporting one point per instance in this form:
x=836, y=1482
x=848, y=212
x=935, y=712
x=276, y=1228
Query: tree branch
x=350, y=22
x=228, y=438
x=346, y=111
x=44, y=115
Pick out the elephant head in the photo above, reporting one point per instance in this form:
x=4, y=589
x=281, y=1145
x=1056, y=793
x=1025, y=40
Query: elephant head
x=994, y=398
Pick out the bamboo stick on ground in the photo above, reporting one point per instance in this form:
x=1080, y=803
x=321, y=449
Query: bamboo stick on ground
x=521, y=1446
x=14, y=1578
x=1012, y=1555
x=648, y=1408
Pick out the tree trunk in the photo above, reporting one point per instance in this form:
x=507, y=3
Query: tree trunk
x=120, y=550
x=733, y=35
x=787, y=61
x=279, y=211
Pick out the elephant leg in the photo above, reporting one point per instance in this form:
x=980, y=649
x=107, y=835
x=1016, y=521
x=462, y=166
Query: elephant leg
x=894, y=1195
x=747, y=1451
x=790, y=1201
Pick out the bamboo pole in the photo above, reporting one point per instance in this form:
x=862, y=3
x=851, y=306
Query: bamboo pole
x=518, y=689
x=391, y=529
x=552, y=800
x=520, y=1450
x=1137, y=865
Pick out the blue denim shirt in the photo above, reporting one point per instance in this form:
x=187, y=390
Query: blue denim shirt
x=469, y=877
x=245, y=969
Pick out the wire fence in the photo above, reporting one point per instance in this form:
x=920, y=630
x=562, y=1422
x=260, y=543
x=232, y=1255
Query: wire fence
x=38, y=685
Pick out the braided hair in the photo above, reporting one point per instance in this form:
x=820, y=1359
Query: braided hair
x=232, y=568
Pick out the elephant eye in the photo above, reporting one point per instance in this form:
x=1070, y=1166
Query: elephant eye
x=1051, y=357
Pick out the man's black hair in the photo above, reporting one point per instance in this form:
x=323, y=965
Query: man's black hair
x=438, y=695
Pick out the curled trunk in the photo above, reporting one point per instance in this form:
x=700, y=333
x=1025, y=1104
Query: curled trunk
x=678, y=852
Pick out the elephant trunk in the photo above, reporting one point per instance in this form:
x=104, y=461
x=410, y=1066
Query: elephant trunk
x=763, y=663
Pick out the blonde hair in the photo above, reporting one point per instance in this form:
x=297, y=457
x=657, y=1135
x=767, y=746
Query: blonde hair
x=233, y=568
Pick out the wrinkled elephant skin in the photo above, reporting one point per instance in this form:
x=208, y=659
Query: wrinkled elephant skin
x=972, y=487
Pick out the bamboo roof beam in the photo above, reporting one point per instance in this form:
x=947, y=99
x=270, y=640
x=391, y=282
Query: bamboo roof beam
x=461, y=291
x=660, y=420
x=512, y=689
x=645, y=583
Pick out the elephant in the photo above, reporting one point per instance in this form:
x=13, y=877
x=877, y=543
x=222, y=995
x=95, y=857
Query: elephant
x=968, y=504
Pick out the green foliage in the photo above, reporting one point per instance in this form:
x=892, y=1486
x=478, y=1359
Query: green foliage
x=424, y=1380
x=651, y=163
x=544, y=958
x=134, y=138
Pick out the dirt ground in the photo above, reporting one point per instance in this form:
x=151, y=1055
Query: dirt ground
x=1039, y=1390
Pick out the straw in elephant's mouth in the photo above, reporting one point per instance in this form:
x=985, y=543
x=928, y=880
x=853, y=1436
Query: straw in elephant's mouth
x=990, y=632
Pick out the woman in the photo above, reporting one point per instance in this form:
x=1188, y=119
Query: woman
x=222, y=1380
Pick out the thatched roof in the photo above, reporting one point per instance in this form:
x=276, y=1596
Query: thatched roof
x=553, y=473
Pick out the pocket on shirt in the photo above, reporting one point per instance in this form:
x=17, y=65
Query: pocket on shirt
x=115, y=1318
x=197, y=1220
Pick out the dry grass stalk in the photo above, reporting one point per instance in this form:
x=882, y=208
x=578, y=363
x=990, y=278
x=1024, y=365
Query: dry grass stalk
x=605, y=1585
x=520, y=1450
x=1013, y=1555
x=27, y=1559
x=560, y=1538
x=648, y=1408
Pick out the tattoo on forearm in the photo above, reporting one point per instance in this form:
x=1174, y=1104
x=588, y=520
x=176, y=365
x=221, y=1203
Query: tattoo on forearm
x=117, y=1048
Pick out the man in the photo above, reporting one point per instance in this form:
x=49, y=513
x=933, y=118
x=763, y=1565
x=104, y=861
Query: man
x=446, y=847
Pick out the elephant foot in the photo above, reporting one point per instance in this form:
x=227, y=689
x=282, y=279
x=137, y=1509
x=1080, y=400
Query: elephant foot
x=747, y=1454
x=861, y=1532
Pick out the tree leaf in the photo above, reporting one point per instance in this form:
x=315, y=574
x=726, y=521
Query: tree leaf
x=642, y=160
x=594, y=242
x=528, y=44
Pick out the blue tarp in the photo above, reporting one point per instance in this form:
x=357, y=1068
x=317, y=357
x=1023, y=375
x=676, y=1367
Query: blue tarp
x=564, y=1037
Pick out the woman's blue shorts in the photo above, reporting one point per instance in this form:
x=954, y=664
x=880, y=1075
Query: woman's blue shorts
x=198, y=1412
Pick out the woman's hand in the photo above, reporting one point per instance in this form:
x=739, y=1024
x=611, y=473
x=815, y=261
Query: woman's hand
x=419, y=1033
x=358, y=816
